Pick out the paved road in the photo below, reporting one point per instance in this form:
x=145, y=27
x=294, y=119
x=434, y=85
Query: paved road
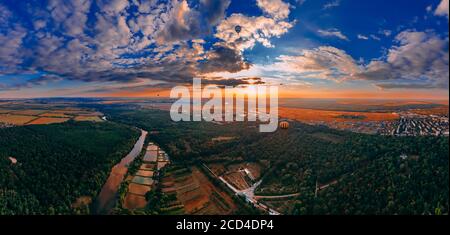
x=277, y=197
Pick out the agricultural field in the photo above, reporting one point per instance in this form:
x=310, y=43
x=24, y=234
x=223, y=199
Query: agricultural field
x=440, y=111
x=141, y=182
x=145, y=173
x=55, y=115
x=16, y=119
x=29, y=112
x=18, y=114
x=138, y=189
x=312, y=115
x=47, y=120
x=3, y=111
x=133, y=201
x=191, y=188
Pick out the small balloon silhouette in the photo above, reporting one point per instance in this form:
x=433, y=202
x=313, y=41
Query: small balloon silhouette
x=238, y=29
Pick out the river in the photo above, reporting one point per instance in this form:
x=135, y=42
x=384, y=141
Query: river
x=105, y=201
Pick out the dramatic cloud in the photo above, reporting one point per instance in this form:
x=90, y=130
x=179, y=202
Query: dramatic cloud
x=333, y=33
x=127, y=41
x=420, y=58
x=323, y=62
x=140, y=44
x=221, y=59
x=184, y=23
x=327, y=63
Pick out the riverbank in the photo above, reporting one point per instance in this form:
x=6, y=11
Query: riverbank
x=105, y=201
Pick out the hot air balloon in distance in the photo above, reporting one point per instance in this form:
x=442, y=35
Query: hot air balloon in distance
x=284, y=125
x=238, y=29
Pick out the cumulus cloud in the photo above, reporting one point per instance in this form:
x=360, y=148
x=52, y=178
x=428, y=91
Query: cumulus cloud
x=275, y=8
x=327, y=63
x=71, y=17
x=254, y=30
x=126, y=41
x=10, y=54
x=115, y=43
x=183, y=22
x=332, y=33
x=322, y=62
x=178, y=21
x=419, y=58
x=442, y=9
x=223, y=58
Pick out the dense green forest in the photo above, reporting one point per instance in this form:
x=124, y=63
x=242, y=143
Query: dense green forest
x=367, y=174
x=335, y=172
x=56, y=164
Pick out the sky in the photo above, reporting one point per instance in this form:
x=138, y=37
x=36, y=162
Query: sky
x=143, y=48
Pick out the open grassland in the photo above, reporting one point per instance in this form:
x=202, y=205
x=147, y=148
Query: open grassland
x=88, y=119
x=311, y=115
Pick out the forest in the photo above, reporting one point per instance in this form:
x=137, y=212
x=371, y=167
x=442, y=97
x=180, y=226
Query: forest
x=335, y=172
x=57, y=164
